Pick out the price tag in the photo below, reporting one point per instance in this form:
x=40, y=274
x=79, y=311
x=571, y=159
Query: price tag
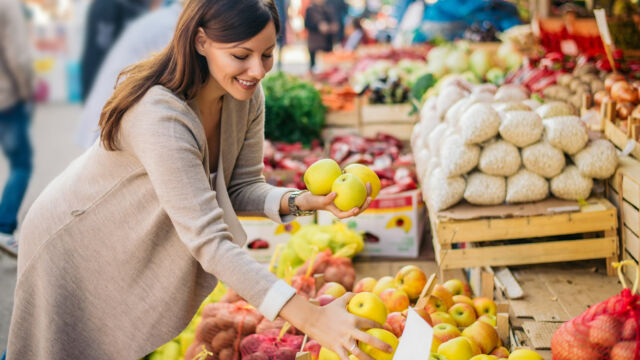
x=416, y=339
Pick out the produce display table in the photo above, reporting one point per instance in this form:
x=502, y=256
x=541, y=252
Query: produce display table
x=468, y=236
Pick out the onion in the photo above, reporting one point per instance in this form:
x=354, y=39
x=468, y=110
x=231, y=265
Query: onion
x=600, y=96
x=612, y=79
x=624, y=109
x=622, y=91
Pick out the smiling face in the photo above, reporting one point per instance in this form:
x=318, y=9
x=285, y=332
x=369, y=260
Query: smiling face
x=238, y=67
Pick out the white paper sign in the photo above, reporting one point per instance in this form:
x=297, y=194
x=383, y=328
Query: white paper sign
x=415, y=343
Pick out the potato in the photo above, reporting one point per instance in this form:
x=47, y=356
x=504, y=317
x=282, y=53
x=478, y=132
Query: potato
x=510, y=106
x=596, y=85
x=587, y=68
x=575, y=84
x=555, y=108
x=565, y=79
x=224, y=339
x=557, y=92
x=575, y=100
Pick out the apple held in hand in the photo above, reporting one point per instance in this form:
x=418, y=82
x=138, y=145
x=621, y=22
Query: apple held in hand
x=320, y=176
x=457, y=287
x=326, y=354
x=384, y=282
x=325, y=299
x=367, y=305
x=482, y=334
x=412, y=280
x=365, y=285
x=366, y=175
x=332, y=288
x=350, y=192
x=395, y=300
x=383, y=335
x=484, y=305
x=463, y=314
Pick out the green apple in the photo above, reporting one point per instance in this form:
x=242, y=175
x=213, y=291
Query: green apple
x=320, y=176
x=366, y=175
x=385, y=336
x=384, y=282
x=456, y=349
x=369, y=306
x=326, y=354
x=524, y=354
x=350, y=192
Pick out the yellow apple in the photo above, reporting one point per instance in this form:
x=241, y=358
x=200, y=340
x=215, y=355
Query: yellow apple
x=320, y=176
x=463, y=314
x=395, y=323
x=474, y=346
x=395, y=300
x=366, y=175
x=482, y=334
x=456, y=349
x=326, y=354
x=457, y=287
x=484, y=357
x=383, y=335
x=462, y=299
x=365, y=285
x=445, y=332
x=489, y=319
x=444, y=294
x=440, y=317
x=500, y=352
x=384, y=282
x=524, y=354
x=332, y=288
x=434, y=304
x=484, y=305
x=350, y=192
x=412, y=280
x=368, y=306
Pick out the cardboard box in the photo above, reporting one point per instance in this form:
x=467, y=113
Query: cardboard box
x=393, y=225
x=259, y=228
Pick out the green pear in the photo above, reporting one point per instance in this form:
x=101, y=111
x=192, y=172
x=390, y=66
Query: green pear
x=350, y=191
x=320, y=176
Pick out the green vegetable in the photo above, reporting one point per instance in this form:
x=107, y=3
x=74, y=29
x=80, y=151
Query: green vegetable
x=424, y=83
x=293, y=109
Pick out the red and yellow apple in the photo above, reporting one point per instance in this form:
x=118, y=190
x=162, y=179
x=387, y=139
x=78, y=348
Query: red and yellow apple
x=489, y=319
x=457, y=287
x=463, y=314
x=325, y=299
x=332, y=288
x=366, y=175
x=484, y=305
x=412, y=280
x=434, y=304
x=440, y=317
x=320, y=176
x=500, y=352
x=383, y=335
x=482, y=334
x=395, y=300
x=484, y=357
x=524, y=354
x=395, y=323
x=462, y=299
x=423, y=314
x=456, y=349
x=350, y=192
x=444, y=294
x=384, y=282
x=445, y=332
x=365, y=285
x=368, y=306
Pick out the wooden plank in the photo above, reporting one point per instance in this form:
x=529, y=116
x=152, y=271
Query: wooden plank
x=632, y=242
x=401, y=131
x=538, y=302
x=629, y=169
x=540, y=333
x=342, y=118
x=502, y=323
x=527, y=227
x=534, y=253
x=487, y=284
x=619, y=138
x=387, y=113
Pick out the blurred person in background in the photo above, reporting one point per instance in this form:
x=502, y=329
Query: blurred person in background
x=16, y=92
x=120, y=249
x=340, y=9
x=148, y=34
x=283, y=7
x=322, y=26
x=106, y=19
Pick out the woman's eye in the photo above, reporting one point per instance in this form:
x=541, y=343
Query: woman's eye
x=240, y=57
x=267, y=55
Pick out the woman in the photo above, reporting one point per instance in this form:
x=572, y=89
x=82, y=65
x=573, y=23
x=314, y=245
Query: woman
x=120, y=249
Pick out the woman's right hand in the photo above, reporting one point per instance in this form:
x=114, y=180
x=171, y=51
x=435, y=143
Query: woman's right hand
x=333, y=326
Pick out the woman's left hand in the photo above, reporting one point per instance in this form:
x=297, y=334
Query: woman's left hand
x=308, y=201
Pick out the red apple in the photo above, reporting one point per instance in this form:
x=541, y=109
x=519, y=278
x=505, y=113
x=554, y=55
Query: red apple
x=365, y=285
x=462, y=299
x=463, y=314
x=395, y=323
x=484, y=305
x=444, y=294
x=483, y=334
x=457, y=287
x=412, y=280
x=445, y=332
x=605, y=331
x=332, y=288
x=440, y=317
x=435, y=304
x=500, y=352
x=395, y=300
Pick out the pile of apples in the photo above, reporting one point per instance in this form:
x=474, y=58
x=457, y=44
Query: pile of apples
x=325, y=176
x=464, y=327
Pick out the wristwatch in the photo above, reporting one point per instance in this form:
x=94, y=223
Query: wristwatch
x=293, y=208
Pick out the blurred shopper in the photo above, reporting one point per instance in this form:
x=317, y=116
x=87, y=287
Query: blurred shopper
x=340, y=9
x=117, y=253
x=357, y=35
x=322, y=26
x=16, y=91
x=106, y=19
x=146, y=35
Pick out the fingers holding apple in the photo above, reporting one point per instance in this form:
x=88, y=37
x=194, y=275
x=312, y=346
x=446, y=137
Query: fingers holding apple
x=379, y=344
x=368, y=306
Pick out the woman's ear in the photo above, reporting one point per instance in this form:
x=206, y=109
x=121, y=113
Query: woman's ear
x=201, y=41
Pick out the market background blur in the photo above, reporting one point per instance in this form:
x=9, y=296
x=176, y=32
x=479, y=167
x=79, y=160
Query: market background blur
x=59, y=29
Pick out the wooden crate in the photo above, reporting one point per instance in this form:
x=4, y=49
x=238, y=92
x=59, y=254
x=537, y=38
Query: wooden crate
x=624, y=140
x=624, y=192
x=393, y=119
x=345, y=118
x=529, y=239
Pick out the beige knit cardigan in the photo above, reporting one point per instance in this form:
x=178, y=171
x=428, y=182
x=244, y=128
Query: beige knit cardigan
x=119, y=250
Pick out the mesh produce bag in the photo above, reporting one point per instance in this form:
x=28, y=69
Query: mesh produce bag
x=335, y=267
x=608, y=330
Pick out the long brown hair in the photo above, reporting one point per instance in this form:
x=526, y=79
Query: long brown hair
x=179, y=67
